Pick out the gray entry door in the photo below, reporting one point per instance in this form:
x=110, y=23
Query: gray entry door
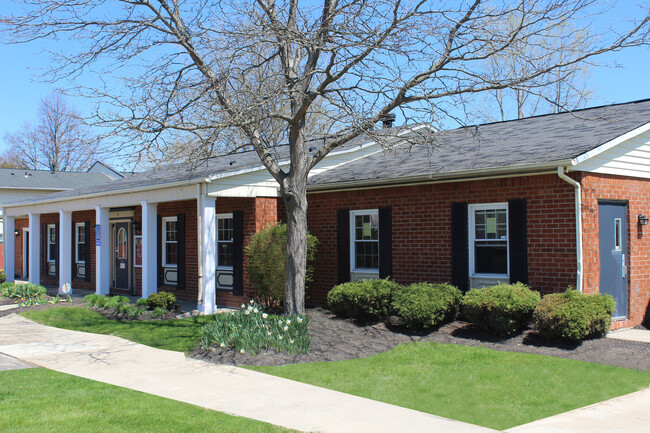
x=612, y=225
x=122, y=255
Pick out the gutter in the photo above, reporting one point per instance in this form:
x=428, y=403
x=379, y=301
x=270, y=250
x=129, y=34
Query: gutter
x=578, y=209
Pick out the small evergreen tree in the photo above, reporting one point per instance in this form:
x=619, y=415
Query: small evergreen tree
x=267, y=257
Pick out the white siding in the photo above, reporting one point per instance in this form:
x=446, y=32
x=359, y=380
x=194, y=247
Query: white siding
x=629, y=158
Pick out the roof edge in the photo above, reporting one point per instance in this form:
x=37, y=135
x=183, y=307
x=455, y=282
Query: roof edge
x=610, y=144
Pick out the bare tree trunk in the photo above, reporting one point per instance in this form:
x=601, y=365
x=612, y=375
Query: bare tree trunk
x=296, y=265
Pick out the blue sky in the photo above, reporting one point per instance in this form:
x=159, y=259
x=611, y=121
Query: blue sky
x=21, y=88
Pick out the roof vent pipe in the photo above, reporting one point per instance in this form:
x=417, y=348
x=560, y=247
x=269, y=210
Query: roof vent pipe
x=578, y=211
x=387, y=120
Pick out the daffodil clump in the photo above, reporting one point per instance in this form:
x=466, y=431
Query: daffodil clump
x=251, y=330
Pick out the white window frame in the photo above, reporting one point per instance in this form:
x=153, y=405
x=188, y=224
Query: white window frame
x=353, y=267
x=222, y=216
x=471, y=231
x=49, y=242
x=76, y=241
x=165, y=241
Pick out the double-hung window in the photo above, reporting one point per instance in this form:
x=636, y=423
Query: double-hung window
x=224, y=240
x=488, y=238
x=364, y=239
x=169, y=242
x=80, y=242
x=51, y=242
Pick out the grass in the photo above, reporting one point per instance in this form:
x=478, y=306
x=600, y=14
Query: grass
x=180, y=335
x=473, y=384
x=40, y=400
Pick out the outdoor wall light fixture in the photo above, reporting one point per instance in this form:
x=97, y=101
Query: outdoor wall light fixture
x=16, y=232
x=643, y=220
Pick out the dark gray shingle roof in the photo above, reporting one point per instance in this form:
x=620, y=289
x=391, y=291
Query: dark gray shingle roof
x=535, y=140
x=44, y=179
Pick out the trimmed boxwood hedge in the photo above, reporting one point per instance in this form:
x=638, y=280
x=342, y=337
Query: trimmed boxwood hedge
x=425, y=305
x=366, y=300
x=504, y=309
x=573, y=315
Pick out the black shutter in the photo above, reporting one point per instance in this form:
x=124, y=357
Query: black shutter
x=459, y=246
x=56, y=249
x=385, y=242
x=237, y=253
x=159, y=264
x=517, y=240
x=73, y=249
x=87, y=266
x=180, y=245
x=43, y=247
x=343, y=245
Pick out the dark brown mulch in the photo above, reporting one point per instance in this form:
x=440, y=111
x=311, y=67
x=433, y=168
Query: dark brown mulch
x=334, y=339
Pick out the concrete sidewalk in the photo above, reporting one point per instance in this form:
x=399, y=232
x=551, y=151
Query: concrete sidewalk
x=630, y=334
x=224, y=388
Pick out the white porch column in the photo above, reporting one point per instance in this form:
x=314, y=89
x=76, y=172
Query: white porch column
x=35, y=248
x=149, y=248
x=9, y=248
x=209, y=229
x=102, y=252
x=65, y=252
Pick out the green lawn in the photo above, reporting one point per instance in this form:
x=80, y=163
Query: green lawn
x=40, y=400
x=179, y=335
x=472, y=384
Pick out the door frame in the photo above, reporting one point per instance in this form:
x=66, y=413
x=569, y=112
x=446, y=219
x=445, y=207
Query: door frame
x=25, y=252
x=626, y=253
x=129, y=253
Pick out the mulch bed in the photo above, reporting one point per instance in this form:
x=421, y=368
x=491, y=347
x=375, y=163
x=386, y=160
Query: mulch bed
x=334, y=339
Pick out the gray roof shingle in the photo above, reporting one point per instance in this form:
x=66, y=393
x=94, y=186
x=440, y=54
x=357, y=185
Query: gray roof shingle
x=534, y=140
x=45, y=179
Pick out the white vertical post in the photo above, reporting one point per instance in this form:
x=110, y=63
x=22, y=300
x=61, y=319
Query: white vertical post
x=35, y=248
x=149, y=248
x=9, y=248
x=65, y=252
x=102, y=252
x=209, y=228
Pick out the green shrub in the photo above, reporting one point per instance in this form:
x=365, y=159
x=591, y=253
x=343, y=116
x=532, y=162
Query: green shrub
x=23, y=291
x=141, y=302
x=5, y=288
x=365, y=300
x=95, y=300
x=158, y=312
x=3, y=277
x=424, y=305
x=164, y=300
x=503, y=309
x=132, y=311
x=250, y=330
x=267, y=257
x=573, y=315
x=117, y=301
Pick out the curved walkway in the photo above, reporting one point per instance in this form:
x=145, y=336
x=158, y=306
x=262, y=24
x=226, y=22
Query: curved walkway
x=227, y=389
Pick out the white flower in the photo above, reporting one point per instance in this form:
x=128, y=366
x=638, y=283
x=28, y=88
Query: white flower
x=255, y=310
x=222, y=345
x=247, y=312
x=249, y=308
x=242, y=351
x=286, y=328
x=268, y=333
x=291, y=341
x=280, y=337
x=288, y=322
x=280, y=322
x=250, y=302
x=264, y=315
x=242, y=305
x=299, y=319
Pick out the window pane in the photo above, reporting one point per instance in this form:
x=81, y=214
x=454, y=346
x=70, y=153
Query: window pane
x=170, y=231
x=81, y=234
x=225, y=254
x=366, y=227
x=52, y=251
x=490, y=224
x=491, y=258
x=224, y=229
x=81, y=253
x=367, y=255
x=170, y=254
x=121, y=244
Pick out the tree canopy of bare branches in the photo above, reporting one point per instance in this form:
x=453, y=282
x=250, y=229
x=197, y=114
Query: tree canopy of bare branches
x=205, y=72
x=59, y=141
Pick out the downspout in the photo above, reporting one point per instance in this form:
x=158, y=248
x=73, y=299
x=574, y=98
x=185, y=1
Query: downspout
x=199, y=239
x=578, y=210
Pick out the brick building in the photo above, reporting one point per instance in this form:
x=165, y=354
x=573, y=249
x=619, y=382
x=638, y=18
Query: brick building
x=553, y=201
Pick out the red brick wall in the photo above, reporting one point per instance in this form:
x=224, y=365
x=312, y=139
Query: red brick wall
x=637, y=194
x=258, y=213
x=422, y=228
